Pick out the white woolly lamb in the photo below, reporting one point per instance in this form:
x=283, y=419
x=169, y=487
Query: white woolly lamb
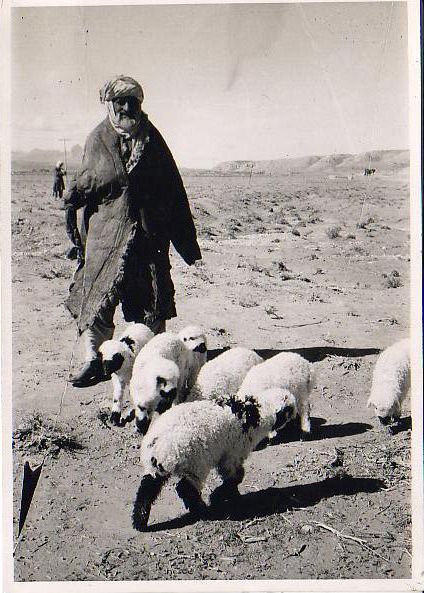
x=196, y=343
x=391, y=381
x=191, y=439
x=223, y=375
x=286, y=370
x=117, y=357
x=147, y=383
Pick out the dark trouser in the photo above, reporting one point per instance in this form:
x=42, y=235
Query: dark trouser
x=103, y=328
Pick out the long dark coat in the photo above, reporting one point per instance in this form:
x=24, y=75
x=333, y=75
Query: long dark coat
x=128, y=223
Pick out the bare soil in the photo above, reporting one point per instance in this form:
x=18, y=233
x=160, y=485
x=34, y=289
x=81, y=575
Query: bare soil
x=308, y=263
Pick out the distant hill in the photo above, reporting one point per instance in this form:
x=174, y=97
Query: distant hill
x=384, y=161
x=38, y=158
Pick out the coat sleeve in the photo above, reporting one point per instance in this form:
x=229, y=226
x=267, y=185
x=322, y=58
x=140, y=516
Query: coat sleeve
x=183, y=231
x=77, y=196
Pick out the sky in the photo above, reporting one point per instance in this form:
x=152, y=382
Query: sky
x=221, y=81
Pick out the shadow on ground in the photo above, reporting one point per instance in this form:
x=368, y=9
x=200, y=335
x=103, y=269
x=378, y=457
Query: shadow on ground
x=403, y=425
x=278, y=500
x=320, y=431
x=313, y=354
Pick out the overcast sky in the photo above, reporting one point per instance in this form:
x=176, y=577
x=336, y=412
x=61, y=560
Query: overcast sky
x=222, y=82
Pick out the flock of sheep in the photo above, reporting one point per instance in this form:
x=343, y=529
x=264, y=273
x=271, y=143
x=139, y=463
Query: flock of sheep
x=196, y=416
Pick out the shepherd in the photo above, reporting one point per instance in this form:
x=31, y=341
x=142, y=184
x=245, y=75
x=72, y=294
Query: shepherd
x=135, y=205
x=58, y=182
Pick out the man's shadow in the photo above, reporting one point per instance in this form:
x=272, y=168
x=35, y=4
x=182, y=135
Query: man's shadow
x=278, y=500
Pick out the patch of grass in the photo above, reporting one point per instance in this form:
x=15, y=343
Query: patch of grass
x=272, y=312
x=333, y=231
x=38, y=432
x=392, y=280
x=363, y=223
x=247, y=304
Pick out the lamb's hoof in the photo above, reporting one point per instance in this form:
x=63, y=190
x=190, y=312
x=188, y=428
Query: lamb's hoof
x=115, y=419
x=72, y=253
x=199, y=511
x=224, y=495
x=139, y=519
x=90, y=374
x=305, y=435
x=128, y=418
x=263, y=444
x=384, y=425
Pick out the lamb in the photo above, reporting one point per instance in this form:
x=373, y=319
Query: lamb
x=391, y=381
x=195, y=340
x=152, y=382
x=191, y=439
x=224, y=374
x=117, y=358
x=286, y=370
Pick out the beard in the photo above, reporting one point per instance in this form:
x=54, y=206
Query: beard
x=126, y=122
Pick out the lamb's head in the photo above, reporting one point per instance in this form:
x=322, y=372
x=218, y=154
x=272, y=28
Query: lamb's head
x=383, y=410
x=194, y=339
x=156, y=390
x=113, y=354
x=246, y=409
x=279, y=405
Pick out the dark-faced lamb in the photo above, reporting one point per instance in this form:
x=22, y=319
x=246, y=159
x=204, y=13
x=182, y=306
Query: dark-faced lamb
x=191, y=439
x=286, y=370
x=148, y=387
x=195, y=340
x=391, y=382
x=117, y=357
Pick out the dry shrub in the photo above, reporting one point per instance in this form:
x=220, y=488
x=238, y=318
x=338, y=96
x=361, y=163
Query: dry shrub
x=333, y=232
x=38, y=432
x=392, y=280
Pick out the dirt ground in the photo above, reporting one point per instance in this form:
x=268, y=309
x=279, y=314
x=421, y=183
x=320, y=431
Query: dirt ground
x=309, y=263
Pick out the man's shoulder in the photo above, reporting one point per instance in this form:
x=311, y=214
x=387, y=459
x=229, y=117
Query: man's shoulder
x=103, y=134
x=99, y=131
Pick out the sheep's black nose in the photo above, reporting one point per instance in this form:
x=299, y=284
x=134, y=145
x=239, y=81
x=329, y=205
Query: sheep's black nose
x=200, y=348
x=142, y=425
x=107, y=369
x=283, y=416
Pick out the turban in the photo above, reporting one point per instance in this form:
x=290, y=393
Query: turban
x=121, y=86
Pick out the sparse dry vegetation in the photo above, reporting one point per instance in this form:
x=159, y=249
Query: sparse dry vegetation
x=345, y=491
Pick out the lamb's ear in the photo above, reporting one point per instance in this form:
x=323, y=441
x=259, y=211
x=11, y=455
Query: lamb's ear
x=117, y=361
x=249, y=413
x=129, y=342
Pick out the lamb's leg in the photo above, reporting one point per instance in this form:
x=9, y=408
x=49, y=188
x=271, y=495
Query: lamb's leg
x=191, y=497
x=147, y=493
x=396, y=413
x=118, y=396
x=305, y=421
x=228, y=491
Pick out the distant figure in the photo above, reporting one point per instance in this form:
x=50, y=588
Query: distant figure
x=58, y=182
x=369, y=172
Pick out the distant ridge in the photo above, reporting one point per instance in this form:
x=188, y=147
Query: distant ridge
x=384, y=161
x=46, y=158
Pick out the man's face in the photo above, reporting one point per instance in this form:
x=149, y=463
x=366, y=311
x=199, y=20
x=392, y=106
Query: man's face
x=127, y=109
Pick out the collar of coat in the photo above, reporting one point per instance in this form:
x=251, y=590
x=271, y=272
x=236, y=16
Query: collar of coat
x=112, y=141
